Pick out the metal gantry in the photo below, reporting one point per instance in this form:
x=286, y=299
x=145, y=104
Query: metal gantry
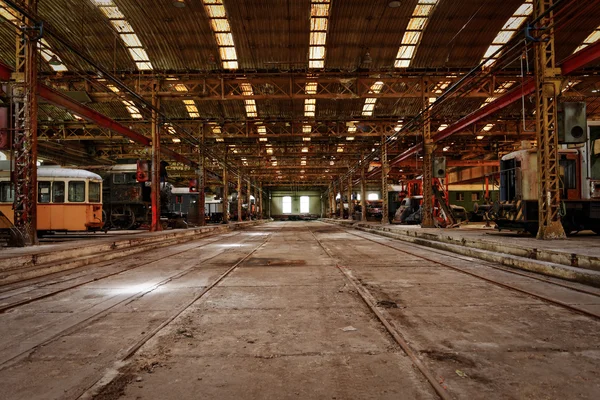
x=24, y=98
x=548, y=83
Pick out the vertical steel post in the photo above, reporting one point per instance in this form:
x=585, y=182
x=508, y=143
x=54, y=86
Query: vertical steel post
x=239, y=198
x=25, y=134
x=384, y=187
x=225, y=192
x=260, y=201
x=350, y=207
x=341, y=199
x=249, y=194
x=363, y=188
x=428, y=148
x=155, y=181
x=201, y=180
x=334, y=201
x=548, y=81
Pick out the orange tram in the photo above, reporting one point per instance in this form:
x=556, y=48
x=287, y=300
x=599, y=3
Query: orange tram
x=69, y=200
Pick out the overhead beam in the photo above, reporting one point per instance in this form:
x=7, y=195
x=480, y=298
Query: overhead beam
x=571, y=64
x=61, y=100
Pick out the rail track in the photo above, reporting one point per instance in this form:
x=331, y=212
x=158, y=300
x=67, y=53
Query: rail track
x=19, y=354
x=553, y=282
x=26, y=297
x=401, y=339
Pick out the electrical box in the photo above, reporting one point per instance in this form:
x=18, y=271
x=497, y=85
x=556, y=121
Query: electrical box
x=439, y=167
x=572, y=122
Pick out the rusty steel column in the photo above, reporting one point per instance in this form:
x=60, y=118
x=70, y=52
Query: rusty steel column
x=249, y=195
x=201, y=180
x=428, y=147
x=341, y=199
x=333, y=201
x=155, y=181
x=239, y=198
x=363, y=189
x=260, y=201
x=548, y=82
x=384, y=188
x=225, y=195
x=350, y=207
x=24, y=97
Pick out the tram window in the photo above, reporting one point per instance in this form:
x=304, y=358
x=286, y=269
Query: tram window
x=569, y=173
x=94, y=192
x=119, y=178
x=77, y=191
x=58, y=192
x=475, y=196
x=7, y=193
x=460, y=196
x=44, y=192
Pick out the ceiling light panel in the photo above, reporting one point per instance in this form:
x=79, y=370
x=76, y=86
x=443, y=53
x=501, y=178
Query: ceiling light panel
x=414, y=32
x=508, y=31
x=126, y=33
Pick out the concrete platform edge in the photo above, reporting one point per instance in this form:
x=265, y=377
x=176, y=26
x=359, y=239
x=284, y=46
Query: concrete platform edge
x=553, y=269
x=44, y=261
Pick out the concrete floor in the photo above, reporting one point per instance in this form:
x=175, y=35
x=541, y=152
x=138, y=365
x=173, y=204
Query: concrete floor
x=287, y=323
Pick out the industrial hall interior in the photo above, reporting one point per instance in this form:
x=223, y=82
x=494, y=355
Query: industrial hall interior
x=299, y=199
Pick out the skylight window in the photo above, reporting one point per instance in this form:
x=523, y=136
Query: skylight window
x=126, y=33
x=319, y=21
x=52, y=58
x=369, y=105
x=190, y=106
x=508, y=31
x=414, y=32
x=222, y=30
x=129, y=105
x=48, y=55
x=593, y=38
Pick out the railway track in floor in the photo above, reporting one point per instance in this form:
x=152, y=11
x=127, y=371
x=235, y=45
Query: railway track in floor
x=385, y=320
x=22, y=297
x=91, y=391
x=401, y=339
x=552, y=282
x=18, y=355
